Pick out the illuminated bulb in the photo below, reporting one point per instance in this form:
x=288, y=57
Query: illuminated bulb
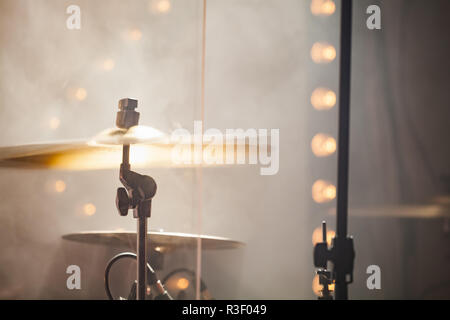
x=322, y=7
x=108, y=64
x=182, y=283
x=164, y=6
x=80, y=94
x=328, y=8
x=160, y=6
x=135, y=34
x=54, y=123
x=317, y=287
x=331, y=287
x=323, y=99
x=323, y=191
x=322, y=52
x=317, y=236
x=60, y=186
x=330, y=235
x=329, y=53
x=89, y=209
x=323, y=145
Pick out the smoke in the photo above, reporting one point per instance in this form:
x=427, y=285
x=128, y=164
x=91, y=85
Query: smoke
x=59, y=84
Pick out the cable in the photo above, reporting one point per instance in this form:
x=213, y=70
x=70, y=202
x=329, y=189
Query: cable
x=152, y=279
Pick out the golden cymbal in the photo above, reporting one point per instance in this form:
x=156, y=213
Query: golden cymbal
x=134, y=135
x=150, y=148
x=425, y=211
x=159, y=240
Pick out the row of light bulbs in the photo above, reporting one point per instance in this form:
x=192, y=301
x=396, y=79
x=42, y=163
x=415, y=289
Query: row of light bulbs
x=322, y=145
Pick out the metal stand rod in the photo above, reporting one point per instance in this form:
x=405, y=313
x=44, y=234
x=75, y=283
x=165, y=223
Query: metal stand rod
x=141, y=239
x=343, y=137
x=141, y=257
x=126, y=156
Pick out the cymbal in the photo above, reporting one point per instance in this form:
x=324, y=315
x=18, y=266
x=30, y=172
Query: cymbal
x=426, y=211
x=150, y=148
x=159, y=240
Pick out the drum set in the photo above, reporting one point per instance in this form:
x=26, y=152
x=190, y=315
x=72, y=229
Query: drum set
x=113, y=148
x=146, y=147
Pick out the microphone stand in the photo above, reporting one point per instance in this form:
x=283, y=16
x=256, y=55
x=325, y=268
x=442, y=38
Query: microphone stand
x=342, y=253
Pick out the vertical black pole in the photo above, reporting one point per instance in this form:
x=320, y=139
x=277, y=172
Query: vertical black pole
x=126, y=156
x=141, y=258
x=343, y=136
x=141, y=243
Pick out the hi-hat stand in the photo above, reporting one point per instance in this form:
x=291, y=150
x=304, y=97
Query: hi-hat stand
x=342, y=253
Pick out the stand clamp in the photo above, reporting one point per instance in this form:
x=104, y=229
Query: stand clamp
x=137, y=194
x=341, y=254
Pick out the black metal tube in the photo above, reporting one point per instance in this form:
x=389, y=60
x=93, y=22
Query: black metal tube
x=141, y=239
x=126, y=156
x=324, y=231
x=343, y=136
x=141, y=258
x=344, y=117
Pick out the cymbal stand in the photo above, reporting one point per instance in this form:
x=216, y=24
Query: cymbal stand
x=137, y=194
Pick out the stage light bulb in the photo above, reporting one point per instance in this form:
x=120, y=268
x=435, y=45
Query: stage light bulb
x=317, y=287
x=163, y=6
x=331, y=287
x=60, y=186
x=108, y=64
x=54, y=123
x=135, y=34
x=330, y=98
x=323, y=191
x=80, y=94
x=323, y=99
x=322, y=7
x=160, y=6
x=182, y=283
x=323, y=145
x=329, y=53
x=89, y=209
x=318, y=237
x=322, y=52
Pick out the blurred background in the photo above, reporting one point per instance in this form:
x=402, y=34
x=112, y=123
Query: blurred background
x=268, y=64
